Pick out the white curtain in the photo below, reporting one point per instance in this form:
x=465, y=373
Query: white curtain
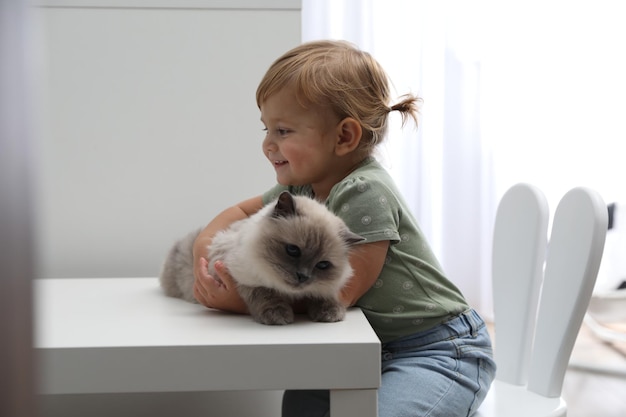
x=441, y=168
x=513, y=91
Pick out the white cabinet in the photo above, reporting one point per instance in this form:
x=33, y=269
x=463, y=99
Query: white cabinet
x=148, y=124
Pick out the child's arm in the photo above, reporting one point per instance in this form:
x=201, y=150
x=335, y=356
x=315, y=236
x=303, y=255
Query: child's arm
x=367, y=261
x=219, y=292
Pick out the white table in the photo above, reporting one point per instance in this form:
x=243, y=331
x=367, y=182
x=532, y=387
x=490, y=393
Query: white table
x=122, y=335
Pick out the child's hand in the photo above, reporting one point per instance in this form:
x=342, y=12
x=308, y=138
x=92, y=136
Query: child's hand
x=218, y=292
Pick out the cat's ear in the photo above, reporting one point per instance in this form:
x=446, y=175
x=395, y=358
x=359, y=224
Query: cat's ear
x=285, y=205
x=351, y=238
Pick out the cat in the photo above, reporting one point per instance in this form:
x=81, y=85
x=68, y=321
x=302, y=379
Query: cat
x=293, y=249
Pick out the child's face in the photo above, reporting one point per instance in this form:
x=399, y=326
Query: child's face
x=300, y=141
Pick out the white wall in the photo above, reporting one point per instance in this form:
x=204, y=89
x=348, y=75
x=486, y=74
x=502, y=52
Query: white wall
x=149, y=128
x=149, y=124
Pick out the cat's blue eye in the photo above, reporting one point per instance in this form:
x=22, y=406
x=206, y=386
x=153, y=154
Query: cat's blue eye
x=292, y=250
x=323, y=265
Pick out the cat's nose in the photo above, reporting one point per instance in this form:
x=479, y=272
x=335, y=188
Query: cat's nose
x=302, y=277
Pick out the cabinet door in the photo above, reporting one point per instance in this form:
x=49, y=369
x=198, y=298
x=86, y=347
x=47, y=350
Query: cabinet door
x=149, y=125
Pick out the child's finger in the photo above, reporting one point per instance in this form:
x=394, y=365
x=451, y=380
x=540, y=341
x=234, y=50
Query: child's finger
x=204, y=267
x=223, y=275
x=214, y=282
x=199, y=293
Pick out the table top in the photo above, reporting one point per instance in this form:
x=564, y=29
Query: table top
x=97, y=334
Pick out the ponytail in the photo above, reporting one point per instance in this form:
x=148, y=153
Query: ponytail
x=408, y=106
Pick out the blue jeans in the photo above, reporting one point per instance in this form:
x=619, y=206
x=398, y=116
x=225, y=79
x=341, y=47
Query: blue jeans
x=445, y=371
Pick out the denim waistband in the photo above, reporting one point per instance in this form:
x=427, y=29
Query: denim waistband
x=468, y=323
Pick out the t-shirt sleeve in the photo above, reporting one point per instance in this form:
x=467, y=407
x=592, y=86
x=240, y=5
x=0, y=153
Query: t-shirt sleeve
x=368, y=208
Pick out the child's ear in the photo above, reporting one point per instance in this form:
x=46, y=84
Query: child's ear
x=350, y=134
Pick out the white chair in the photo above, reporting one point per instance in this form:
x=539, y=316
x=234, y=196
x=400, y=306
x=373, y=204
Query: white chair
x=539, y=307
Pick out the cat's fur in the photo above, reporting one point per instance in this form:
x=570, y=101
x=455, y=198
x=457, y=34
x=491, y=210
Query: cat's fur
x=294, y=249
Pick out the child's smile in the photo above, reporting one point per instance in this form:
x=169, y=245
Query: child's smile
x=280, y=163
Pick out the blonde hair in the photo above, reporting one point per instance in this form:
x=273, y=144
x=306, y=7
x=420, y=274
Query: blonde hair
x=339, y=75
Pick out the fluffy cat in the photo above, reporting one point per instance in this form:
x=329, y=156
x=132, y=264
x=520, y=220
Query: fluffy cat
x=293, y=249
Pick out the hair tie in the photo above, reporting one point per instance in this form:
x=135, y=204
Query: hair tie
x=397, y=107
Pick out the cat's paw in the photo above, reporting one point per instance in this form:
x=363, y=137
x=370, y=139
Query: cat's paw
x=326, y=311
x=276, y=315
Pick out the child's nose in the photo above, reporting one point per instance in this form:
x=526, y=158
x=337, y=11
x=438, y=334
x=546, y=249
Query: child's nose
x=269, y=145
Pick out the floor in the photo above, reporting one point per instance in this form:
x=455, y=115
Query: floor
x=595, y=383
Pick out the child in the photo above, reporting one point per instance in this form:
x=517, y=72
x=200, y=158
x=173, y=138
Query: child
x=325, y=106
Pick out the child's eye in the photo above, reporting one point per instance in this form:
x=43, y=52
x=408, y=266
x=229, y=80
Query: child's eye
x=279, y=131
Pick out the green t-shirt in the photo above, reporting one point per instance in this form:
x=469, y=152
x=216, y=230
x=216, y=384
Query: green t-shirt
x=412, y=293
